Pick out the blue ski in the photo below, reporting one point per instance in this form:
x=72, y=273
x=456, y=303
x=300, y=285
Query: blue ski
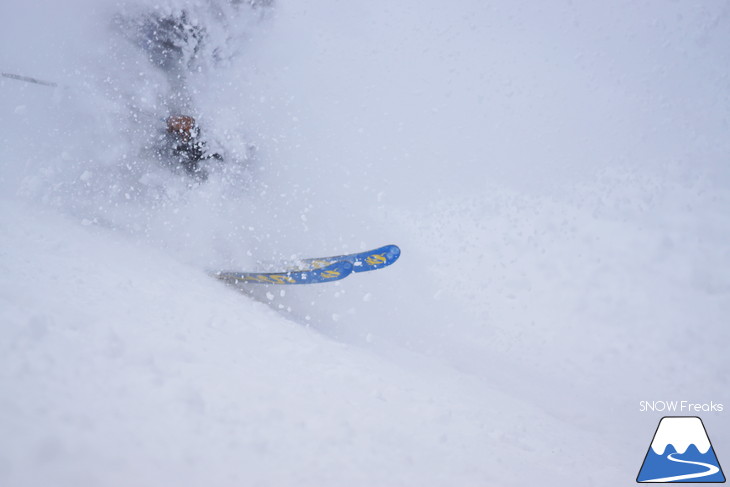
x=316, y=270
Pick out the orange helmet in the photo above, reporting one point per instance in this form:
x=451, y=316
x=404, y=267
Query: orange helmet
x=182, y=125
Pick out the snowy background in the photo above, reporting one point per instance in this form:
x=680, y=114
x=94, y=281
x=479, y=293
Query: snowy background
x=556, y=176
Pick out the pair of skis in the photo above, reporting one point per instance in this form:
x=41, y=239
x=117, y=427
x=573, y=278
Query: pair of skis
x=316, y=270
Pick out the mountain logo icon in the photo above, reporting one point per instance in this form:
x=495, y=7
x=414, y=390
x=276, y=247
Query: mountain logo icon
x=681, y=452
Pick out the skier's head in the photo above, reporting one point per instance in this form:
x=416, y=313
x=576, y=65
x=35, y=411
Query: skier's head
x=183, y=126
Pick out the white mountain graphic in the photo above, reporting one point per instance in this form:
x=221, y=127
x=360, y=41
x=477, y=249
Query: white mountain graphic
x=680, y=432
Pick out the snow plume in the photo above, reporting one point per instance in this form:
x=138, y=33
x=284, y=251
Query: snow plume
x=366, y=112
x=91, y=142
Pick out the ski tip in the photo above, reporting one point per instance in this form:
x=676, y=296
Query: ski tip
x=395, y=251
x=377, y=258
x=392, y=252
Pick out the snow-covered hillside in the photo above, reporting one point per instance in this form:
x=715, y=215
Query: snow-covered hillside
x=556, y=176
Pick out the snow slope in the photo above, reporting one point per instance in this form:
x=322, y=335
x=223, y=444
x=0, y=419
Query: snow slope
x=555, y=175
x=122, y=365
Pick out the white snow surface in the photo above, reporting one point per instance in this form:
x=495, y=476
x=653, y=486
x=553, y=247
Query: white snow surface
x=555, y=174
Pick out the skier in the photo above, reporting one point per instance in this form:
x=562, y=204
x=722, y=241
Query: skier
x=184, y=146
